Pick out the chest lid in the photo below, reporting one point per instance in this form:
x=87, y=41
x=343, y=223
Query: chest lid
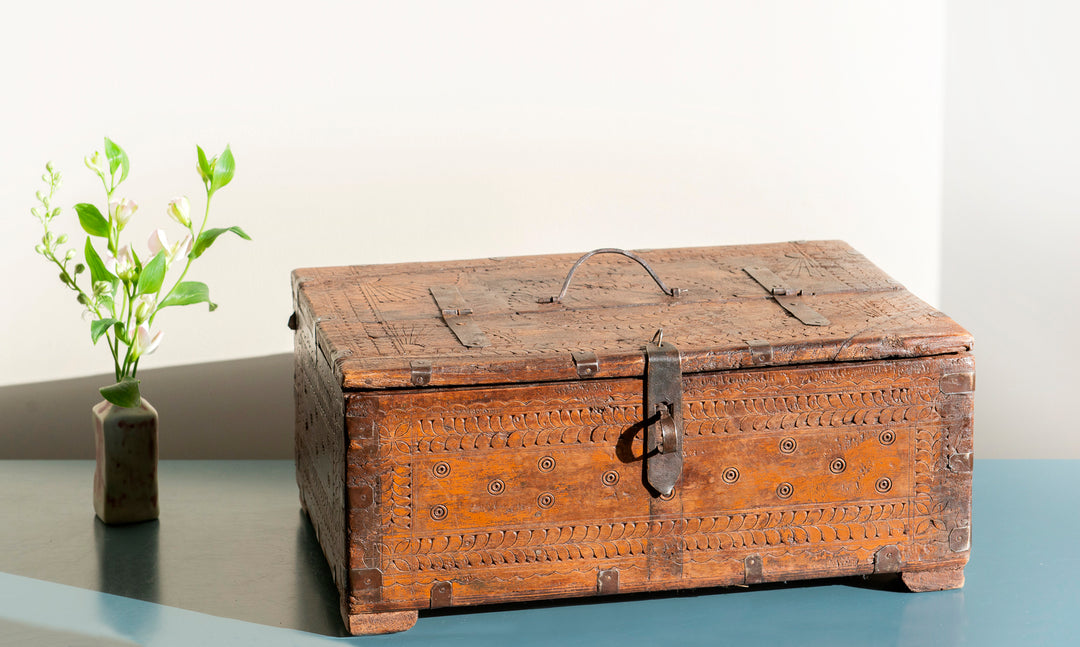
x=498, y=320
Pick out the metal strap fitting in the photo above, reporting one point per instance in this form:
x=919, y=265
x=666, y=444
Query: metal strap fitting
x=586, y=363
x=420, y=372
x=458, y=316
x=788, y=298
x=663, y=415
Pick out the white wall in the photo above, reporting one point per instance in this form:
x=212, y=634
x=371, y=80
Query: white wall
x=380, y=132
x=1012, y=217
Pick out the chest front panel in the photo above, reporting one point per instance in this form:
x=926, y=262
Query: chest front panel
x=492, y=494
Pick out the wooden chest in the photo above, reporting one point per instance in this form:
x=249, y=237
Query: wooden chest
x=714, y=416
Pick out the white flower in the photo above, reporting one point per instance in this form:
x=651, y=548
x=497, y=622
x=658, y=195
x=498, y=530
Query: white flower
x=145, y=343
x=182, y=248
x=159, y=242
x=179, y=210
x=123, y=211
x=96, y=163
x=123, y=265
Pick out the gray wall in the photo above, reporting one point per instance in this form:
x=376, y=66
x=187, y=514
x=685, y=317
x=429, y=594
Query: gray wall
x=1011, y=234
x=236, y=409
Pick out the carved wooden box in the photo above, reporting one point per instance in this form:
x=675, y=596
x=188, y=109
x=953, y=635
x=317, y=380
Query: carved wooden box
x=740, y=415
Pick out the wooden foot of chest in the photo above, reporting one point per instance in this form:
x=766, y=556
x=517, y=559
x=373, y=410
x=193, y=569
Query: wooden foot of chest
x=366, y=624
x=938, y=579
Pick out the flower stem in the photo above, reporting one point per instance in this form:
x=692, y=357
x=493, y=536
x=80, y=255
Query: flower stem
x=128, y=356
x=187, y=266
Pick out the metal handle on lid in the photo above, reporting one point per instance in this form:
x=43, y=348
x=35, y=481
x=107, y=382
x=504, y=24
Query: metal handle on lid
x=675, y=292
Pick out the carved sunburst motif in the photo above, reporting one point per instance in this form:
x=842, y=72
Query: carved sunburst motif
x=406, y=334
x=800, y=266
x=392, y=293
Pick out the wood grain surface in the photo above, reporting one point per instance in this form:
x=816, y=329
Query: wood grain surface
x=808, y=451
x=374, y=320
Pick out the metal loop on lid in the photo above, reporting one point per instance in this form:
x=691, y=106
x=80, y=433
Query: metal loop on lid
x=675, y=292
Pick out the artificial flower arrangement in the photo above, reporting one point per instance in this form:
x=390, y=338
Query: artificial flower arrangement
x=126, y=291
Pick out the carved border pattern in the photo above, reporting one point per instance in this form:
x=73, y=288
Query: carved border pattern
x=843, y=397
x=397, y=492
x=928, y=528
x=826, y=557
x=540, y=423
x=613, y=540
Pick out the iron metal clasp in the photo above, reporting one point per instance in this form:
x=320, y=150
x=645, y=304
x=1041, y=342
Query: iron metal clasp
x=663, y=415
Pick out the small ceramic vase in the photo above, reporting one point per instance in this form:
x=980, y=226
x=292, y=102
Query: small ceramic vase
x=125, y=481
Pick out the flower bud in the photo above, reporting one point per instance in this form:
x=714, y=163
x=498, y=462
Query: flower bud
x=179, y=210
x=82, y=299
x=70, y=255
x=144, y=307
x=55, y=212
x=61, y=239
x=123, y=211
x=64, y=278
x=36, y=212
x=40, y=196
x=49, y=166
x=40, y=249
x=97, y=164
x=102, y=288
x=210, y=163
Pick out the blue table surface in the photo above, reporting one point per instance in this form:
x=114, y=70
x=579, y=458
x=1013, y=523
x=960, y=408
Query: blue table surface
x=56, y=588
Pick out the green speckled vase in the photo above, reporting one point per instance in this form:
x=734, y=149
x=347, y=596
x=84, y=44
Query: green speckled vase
x=126, y=446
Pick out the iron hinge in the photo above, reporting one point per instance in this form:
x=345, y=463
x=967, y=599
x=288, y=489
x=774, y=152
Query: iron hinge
x=458, y=316
x=789, y=298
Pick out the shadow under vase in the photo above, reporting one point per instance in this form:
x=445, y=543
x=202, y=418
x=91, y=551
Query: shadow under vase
x=128, y=560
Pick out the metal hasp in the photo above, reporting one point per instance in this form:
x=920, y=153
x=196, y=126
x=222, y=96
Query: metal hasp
x=458, y=316
x=788, y=298
x=663, y=416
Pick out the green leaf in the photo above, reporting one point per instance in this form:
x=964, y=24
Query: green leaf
x=204, y=164
x=223, y=170
x=97, y=267
x=117, y=159
x=152, y=276
x=121, y=333
x=187, y=293
x=91, y=220
x=124, y=393
x=207, y=238
x=99, y=328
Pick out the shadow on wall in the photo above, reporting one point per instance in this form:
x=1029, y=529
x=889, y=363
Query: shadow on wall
x=237, y=410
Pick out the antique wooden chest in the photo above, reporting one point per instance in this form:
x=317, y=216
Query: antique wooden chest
x=714, y=416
